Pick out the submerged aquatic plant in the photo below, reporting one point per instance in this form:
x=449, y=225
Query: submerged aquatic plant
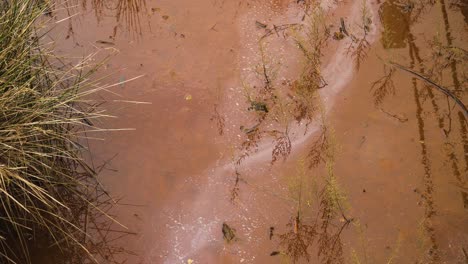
x=384, y=86
x=218, y=119
x=298, y=239
x=327, y=202
x=318, y=151
x=270, y=104
x=305, y=90
x=282, y=148
x=50, y=197
x=360, y=46
x=301, y=233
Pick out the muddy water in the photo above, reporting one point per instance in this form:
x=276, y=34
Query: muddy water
x=390, y=185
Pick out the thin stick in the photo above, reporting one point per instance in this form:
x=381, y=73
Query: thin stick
x=440, y=88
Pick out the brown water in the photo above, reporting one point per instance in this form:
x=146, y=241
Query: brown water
x=388, y=184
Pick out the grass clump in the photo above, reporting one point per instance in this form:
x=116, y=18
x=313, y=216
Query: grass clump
x=48, y=192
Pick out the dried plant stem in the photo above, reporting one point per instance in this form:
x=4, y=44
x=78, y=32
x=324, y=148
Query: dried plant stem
x=439, y=87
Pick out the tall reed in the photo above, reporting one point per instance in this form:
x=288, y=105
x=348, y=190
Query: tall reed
x=47, y=190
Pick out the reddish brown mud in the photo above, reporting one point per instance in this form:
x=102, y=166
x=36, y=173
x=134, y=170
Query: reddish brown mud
x=376, y=173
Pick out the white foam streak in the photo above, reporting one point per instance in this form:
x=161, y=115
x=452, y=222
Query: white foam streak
x=202, y=226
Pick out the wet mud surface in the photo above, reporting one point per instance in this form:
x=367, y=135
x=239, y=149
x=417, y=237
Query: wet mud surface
x=281, y=131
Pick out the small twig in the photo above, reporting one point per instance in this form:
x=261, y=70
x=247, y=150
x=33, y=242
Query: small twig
x=260, y=24
x=214, y=27
x=363, y=140
x=277, y=29
x=345, y=224
x=343, y=27
x=466, y=255
x=449, y=115
x=116, y=231
x=440, y=88
x=267, y=79
x=401, y=119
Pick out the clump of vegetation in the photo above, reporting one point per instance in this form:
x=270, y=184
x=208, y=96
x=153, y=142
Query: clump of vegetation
x=332, y=209
x=267, y=105
x=324, y=198
x=301, y=233
x=49, y=196
x=270, y=104
x=305, y=89
x=298, y=239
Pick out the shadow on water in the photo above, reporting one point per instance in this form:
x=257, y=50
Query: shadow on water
x=396, y=25
x=268, y=105
x=462, y=6
x=128, y=15
x=398, y=18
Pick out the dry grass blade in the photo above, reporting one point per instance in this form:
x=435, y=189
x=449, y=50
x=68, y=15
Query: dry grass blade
x=437, y=86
